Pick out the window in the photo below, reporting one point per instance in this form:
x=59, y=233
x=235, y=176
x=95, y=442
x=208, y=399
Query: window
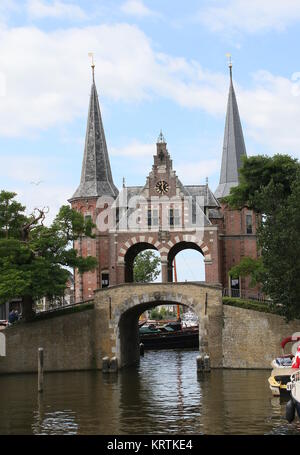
x=155, y=217
x=149, y=217
x=171, y=217
x=249, y=224
x=177, y=217
x=104, y=280
x=235, y=287
x=87, y=218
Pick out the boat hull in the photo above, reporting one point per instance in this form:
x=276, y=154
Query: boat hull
x=278, y=381
x=170, y=340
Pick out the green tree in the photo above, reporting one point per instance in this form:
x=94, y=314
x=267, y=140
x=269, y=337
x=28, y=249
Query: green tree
x=146, y=267
x=34, y=259
x=271, y=186
x=250, y=267
x=259, y=174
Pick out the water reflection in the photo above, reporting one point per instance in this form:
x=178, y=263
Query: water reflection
x=164, y=395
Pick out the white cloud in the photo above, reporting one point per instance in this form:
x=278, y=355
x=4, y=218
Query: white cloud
x=24, y=168
x=134, y=150
x=48, y=82
x=47, y=195
x=55, y=9
x=48, y=77
x=136, y=8
x=271, y=112
x=196, y=172
x=250, y=16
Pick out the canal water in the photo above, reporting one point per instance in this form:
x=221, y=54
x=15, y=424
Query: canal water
x=163, y=395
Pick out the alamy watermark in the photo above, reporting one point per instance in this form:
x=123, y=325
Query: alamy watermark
x=139, y=213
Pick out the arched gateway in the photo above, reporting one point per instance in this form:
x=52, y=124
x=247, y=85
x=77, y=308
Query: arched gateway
x=162, y=213
x=119, y=307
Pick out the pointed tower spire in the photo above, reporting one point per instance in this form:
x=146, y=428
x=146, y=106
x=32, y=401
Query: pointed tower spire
x=233, y=147
x=96, y=177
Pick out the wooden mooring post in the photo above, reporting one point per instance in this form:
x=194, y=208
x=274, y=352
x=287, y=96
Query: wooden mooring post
x=40, y=369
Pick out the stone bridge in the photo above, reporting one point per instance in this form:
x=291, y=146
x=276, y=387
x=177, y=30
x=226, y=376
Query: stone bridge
x=118, y=308
x=78, y=338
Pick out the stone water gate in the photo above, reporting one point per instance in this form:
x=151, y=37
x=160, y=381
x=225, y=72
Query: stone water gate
x=117, y=311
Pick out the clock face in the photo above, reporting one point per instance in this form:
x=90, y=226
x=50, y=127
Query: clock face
x=162, y=187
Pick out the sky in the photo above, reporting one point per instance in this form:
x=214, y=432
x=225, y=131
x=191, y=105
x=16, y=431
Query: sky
x=159, y=65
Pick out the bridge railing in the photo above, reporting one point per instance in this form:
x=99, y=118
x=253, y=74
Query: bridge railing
x=246, y=294
x=62, y=307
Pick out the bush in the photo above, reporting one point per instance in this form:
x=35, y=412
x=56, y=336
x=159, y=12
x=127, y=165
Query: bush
x=251, y=305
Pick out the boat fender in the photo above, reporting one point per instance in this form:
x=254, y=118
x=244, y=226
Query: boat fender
x=290, y=411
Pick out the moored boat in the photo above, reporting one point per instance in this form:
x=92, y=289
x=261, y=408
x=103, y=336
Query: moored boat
x=170, y=335
x=283, y=367
x=294, y=403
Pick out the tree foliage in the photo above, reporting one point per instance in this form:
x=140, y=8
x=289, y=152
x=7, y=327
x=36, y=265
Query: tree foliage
x=271, y=186
x=258, y=175
x=34, y=259
x=249, y=267
x=146, y=267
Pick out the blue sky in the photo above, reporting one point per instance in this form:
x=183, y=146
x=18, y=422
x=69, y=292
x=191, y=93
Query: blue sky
x=159, y=64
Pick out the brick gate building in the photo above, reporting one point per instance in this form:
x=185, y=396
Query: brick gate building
x=164, y=214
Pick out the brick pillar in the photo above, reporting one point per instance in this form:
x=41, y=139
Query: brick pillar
x=120, y=273
x=164, y=271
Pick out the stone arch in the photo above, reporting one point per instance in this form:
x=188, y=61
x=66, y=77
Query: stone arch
x=127, y=336
x=185, y=242
x=131, y=249
x=133, y=241
x=2, y=345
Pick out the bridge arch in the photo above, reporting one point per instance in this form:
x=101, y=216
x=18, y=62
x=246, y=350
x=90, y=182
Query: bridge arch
x=119, y=307
x=128, y=331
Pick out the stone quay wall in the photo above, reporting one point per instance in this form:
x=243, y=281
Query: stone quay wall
x=251, y=339
x=68, y=342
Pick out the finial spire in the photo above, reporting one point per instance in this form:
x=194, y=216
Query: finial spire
x=230, y=65
x=233, y=146
x=91, y=55
x=161, y=138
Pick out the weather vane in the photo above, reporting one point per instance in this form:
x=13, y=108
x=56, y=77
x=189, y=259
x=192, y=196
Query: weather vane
x=91, y=55
x=229, y=63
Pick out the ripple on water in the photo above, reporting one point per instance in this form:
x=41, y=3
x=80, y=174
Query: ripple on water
x=163, y=395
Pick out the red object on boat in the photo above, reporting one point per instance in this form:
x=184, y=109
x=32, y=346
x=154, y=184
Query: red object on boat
x=289, y=340
x=296, y=361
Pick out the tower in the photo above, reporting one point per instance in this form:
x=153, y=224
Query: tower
x=96, y=181
x=238, y=229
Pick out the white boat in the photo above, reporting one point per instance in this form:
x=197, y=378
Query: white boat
x=294, y=403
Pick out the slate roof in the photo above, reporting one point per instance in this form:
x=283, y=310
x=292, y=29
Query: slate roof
x=96, y=177
x=233, y=147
